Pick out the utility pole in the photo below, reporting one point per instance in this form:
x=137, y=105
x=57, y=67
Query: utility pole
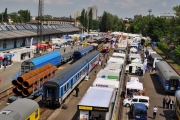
x=40, y=19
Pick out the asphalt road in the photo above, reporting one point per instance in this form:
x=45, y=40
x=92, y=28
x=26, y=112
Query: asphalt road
x=156, y=93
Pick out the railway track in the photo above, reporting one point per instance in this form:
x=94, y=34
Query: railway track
x=6, y=93
x=45, y=113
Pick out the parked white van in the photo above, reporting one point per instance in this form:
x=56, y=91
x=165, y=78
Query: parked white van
x=136, y=99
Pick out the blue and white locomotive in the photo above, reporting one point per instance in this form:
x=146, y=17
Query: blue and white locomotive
x=169, y=79
x=56, y=90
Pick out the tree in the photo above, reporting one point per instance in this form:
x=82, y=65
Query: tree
x=14, y=17
x=95, y=24
x=24, y=16
x=82, y=20
x=177, y=51
x=5, y=16
x=90, y=20
x=47, y=17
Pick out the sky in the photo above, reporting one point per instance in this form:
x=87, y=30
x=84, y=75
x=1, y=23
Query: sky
x=121, y=8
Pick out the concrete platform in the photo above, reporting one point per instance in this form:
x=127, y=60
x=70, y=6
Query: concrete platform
x=6, y=75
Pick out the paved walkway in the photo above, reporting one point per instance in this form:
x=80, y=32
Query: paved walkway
x=6, y=75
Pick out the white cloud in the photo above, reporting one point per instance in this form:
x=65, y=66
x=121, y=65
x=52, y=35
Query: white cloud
x=164, y=4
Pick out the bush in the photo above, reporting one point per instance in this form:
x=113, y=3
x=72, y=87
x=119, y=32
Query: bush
x=162, y=45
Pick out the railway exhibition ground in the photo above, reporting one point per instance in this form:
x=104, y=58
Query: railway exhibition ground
x=150, y=82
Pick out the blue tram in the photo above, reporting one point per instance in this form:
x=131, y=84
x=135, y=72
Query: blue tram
x=169, y=79
x=78, y=54
x=56, y=90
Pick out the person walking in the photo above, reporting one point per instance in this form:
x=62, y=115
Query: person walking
x=171, y=104
x=167, y=102
x=64, y=49
x=4, y=65
x=154, y=112
x=95, y=71
x=77, y=91
x=164, y=102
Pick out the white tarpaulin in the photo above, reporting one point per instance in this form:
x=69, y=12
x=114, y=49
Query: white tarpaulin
x=106, y=83
x=113, y=66
x=115, y=60
x=134, y=85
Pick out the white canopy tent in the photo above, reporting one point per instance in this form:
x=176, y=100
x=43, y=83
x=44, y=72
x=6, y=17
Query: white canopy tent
x=134, y=78
x=105, y=83
x=118, y=55
x=115, y=60
x=113, y=66
x=136, y=61
x=134, y=84
x=108, y=74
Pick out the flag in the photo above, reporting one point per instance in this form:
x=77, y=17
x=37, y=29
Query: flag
x=31, y=41
x=144, y=66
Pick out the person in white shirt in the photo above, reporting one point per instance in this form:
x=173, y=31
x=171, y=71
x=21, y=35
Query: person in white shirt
x=154, y=112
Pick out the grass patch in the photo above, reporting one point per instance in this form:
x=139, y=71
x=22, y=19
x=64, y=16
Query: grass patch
x=172, y=61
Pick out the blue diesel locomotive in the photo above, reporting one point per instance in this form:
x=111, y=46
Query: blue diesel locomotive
x=56, y=90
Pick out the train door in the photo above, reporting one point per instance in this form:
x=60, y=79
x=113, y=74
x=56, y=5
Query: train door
x=50, y=94
x=173, y=84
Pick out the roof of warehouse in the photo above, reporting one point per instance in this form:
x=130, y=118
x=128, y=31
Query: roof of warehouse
x=97, y=97
x=18, y=31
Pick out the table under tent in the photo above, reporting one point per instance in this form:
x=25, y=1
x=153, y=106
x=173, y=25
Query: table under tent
x=134, y=85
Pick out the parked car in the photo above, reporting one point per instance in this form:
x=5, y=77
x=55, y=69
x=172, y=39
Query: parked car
x=136, y=99
x=139, y=111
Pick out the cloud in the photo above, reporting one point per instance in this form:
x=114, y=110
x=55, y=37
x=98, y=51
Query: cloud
x=164, y=4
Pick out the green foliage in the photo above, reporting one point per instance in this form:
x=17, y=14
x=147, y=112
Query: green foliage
x=177, y=51
x=95, y=24
x=82, y=20
x=162, y=45
x=24, y=16
x=47, y=17
x=14, y=17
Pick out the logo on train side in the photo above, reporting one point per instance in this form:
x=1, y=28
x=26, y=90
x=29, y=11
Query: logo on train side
x=101, y=85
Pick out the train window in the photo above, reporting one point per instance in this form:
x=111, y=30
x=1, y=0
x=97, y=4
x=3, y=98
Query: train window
x=67, y=85
x=64, y=88
x=36, y=114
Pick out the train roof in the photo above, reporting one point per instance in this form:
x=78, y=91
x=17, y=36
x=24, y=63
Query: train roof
x=38, y=60
x=83, y=50
x=155, y=55
x=166, y=70
x=68, y=72
x=20, y=109
x=90, y=56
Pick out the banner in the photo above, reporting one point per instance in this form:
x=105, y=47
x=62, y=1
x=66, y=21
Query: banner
x=27, y=42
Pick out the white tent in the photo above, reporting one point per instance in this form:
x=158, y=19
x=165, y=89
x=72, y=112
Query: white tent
x=113, y=66
x=134, y=78
x=115, y=60
x=108, y=74
x=137, y=61
x=101, y=82
x=118, y=55
x=134, y=85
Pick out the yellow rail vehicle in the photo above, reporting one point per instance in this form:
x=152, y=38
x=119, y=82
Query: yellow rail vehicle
x=21, y=109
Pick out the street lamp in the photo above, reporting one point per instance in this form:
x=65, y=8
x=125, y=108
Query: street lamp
x=149, y=10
